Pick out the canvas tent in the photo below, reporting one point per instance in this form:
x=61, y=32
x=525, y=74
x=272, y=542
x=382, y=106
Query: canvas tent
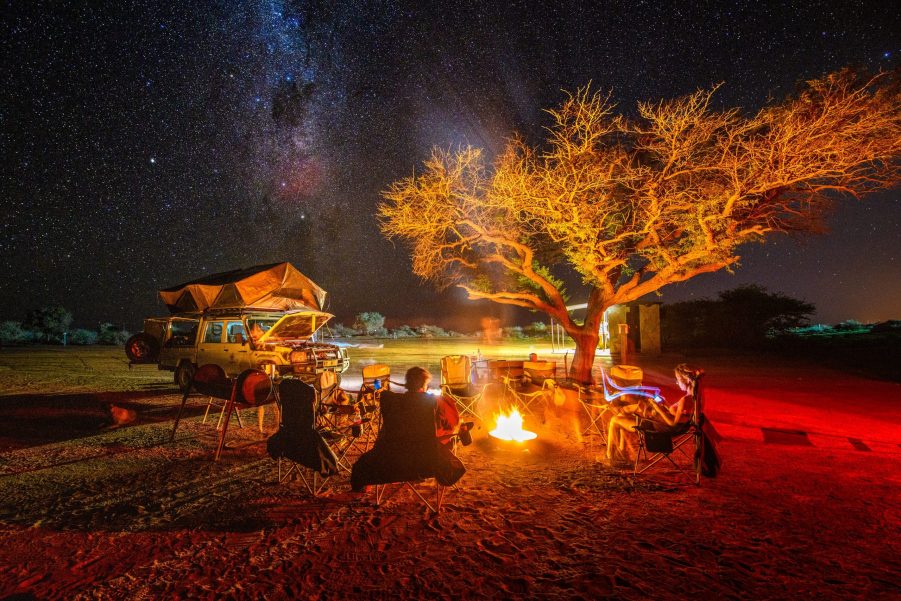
x=277, y=286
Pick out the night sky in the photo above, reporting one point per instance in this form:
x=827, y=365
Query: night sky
x=144, y=145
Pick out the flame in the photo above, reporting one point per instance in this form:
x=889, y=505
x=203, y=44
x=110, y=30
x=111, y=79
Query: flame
x=509, y=427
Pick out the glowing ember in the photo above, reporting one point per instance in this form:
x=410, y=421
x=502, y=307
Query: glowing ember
x=509, y=427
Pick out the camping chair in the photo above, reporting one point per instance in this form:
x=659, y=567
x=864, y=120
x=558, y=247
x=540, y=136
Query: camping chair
x=656, y=444
x=596, y=408
x=376, y=378
x=344, y=422
x=600, y=404
x=456, y=382
x=526, y=395
x=537, y=372
x=298, y=443
x=408, y=453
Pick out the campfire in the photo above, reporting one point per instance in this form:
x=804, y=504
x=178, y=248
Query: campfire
x=509, y=427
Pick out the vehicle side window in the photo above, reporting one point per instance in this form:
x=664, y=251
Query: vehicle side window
x=235, y=329
x=213, y=332
x=182, y=333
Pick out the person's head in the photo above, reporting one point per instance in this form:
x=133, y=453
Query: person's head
x=417, y=379
x=686, y=375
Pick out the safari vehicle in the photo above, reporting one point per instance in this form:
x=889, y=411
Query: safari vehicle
x=251, y=318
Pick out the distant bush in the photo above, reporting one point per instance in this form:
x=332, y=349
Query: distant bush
x=403, y=331
x=427, y=331
x=514, y=332
x=744, y=317
x=83, y=337
x=339, y=330
x=892, y=325
x=810, y=330
x=12, y=332
x=370, y=323
x=49, y=322
x=109, y=333
x=851, y=325
x=536, y=328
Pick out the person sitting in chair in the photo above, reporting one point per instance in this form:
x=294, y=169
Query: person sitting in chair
x=660, y=415
x=407, y=447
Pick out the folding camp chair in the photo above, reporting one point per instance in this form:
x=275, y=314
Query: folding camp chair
x=456, y=382
x=680, y=445
x=298, y=443
x=408, y=453
x=526, y=395
x=343, y=421
x=537, y=372
x=596, y=408
x=376, y=379
x=602, y=403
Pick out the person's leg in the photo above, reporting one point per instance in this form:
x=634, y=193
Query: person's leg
x=615, y=435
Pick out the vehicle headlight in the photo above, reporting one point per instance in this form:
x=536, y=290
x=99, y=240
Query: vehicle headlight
x=299, y=357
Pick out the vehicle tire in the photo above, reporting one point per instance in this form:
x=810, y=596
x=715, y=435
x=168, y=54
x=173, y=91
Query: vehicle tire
x=142, y=348
x=184, y=374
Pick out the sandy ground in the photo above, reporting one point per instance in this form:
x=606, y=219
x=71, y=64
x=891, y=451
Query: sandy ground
x=808, y=503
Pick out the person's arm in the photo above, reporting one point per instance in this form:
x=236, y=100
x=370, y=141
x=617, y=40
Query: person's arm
x=670, y=415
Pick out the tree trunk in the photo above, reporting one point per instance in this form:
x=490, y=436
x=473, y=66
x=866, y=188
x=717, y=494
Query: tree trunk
x=586, y=345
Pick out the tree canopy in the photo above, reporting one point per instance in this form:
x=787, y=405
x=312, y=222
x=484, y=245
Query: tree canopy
x=632, y=205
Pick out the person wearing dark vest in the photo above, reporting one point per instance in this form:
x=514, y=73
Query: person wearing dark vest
x=407, y=447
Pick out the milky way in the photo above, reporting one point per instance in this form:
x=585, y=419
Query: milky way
x=144, y=145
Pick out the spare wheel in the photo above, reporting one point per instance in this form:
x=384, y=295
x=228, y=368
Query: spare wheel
x=142, y=348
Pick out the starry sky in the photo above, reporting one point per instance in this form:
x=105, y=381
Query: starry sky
x=148, y=143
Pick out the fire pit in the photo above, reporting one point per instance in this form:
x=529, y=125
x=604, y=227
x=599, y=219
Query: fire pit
x=509, y=427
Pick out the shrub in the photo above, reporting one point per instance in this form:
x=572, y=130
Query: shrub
x=83, y=337
x=536, y=328
x=851, y=325
x=427, y=331
x=339, y=330
x=403, y=331
x=886, y=326
x=50, y=322
x=370, y=323
x=12, y=332
x=744, y=317
x=514, y=332
x=112, y=334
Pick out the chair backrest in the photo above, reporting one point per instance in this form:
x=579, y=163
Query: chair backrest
x=377, y=371
x=298, y=401
x=456, y=370
x=496, y=369
x=626, y=375
x=408, y=418
x=613, y=392
x=326, y=386
x=539, y=371
x=297, y=438
x=515, y=369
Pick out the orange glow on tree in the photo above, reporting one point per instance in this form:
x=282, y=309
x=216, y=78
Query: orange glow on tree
x=632, y=206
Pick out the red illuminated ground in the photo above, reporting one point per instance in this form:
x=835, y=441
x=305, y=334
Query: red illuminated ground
x=807, y=503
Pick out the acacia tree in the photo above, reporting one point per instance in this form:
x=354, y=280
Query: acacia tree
x=632, y=205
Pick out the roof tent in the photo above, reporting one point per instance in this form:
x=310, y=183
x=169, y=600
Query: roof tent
x=276, y=286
